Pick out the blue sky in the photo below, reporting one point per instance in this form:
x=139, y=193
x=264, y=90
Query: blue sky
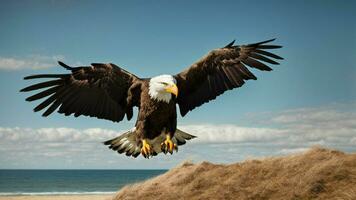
x=161, y=37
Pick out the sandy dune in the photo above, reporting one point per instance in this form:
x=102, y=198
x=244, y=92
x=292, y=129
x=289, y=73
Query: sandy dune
x=316, y=174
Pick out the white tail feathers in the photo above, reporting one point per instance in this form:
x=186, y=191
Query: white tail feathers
x=128, y=144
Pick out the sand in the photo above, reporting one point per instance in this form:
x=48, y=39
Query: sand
x=316, y=174
x=59, y=197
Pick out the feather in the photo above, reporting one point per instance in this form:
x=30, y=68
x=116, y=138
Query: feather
x=263, y=42
x=52, y=108
x=256, y=64
x=269, y=46
x=67, y=100
x=265, y=59
x=45, y=103
x=226, y=79
x=65, y=66
x=230, y=44
x=233, y=76
x=243, y=70
x=43, y=93
x=42, y=85
x=266, y=53
x=45, y=76
x=57, y=96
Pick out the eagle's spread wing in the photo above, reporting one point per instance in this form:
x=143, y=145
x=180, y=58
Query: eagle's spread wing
x=222, y=69
x=100, y=90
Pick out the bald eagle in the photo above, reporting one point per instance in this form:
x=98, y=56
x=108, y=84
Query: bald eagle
x=107, y=91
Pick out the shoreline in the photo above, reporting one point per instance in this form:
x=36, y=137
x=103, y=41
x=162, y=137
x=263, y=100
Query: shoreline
x=60, y=197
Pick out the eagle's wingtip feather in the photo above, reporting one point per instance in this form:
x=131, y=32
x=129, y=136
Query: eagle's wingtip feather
x=230, y=44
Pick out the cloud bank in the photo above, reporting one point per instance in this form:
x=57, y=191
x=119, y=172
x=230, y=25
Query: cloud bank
x=284, y=132
x=29, y=62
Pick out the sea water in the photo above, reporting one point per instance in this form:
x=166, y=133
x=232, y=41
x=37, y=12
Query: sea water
x=62, y=182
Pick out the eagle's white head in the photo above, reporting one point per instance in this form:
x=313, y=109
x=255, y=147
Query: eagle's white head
x=162, y=87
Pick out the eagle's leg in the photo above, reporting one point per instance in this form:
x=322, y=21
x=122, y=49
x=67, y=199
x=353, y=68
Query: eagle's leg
x=168, y=145
x=146, y=149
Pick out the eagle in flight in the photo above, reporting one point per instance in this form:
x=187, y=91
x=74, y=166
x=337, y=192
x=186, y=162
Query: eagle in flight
x=107, y=91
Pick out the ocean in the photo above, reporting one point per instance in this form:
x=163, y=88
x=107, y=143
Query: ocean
x=66, y=182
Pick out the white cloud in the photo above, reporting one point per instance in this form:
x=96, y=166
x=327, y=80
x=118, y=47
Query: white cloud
x=293, y=150
x=327, y=125
x=300, y=126
x=353, y=141
x=285, y=132
x=232, y=133
x=29, y=62
x=54, y=135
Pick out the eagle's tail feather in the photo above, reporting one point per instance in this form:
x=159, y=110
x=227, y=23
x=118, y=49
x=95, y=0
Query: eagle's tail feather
x=127, y=143
x=180, y=137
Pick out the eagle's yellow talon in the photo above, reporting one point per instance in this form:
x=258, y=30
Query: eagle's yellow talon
x=146, y=150
x=168, y=145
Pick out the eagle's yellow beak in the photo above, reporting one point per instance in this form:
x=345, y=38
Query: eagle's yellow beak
x=172, y=89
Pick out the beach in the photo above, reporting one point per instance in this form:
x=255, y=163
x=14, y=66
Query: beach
x=59, y=197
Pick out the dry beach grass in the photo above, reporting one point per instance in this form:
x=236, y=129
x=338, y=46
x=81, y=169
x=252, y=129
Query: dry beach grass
x=316, y=174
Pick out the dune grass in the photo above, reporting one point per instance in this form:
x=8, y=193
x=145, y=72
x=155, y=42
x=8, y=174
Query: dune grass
x=315, y=174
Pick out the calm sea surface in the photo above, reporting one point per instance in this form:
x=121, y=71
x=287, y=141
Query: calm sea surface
x=55, y=182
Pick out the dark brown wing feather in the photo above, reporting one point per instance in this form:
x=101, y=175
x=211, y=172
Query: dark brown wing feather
x=221, y=70
x=100, y=90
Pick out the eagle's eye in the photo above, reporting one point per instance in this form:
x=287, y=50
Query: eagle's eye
x=163, y=83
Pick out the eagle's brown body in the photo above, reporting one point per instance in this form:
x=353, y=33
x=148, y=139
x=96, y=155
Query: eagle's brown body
x=107, y=91
x=155, y=116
